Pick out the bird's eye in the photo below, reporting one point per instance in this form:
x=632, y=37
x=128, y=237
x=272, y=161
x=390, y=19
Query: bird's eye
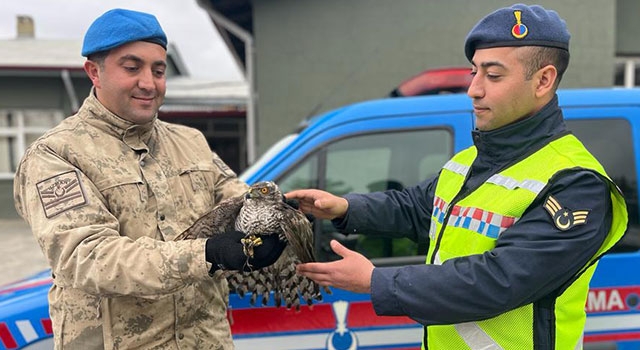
x=264, y=190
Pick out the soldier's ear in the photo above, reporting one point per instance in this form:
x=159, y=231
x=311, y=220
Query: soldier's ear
x=545, y=79
x=93, y=72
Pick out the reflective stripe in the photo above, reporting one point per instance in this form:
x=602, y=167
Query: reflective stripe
x=497, y=179
x=457, y=168
x=484, y=222
x=437, y=260
x=475, y=337
x=432, y=229
x=511, y=183
x=580, y=345
x=438, y=212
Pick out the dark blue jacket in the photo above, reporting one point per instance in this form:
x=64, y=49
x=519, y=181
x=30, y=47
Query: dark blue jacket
x=532, y=259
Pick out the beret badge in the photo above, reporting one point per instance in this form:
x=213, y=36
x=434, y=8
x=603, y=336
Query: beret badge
x=519, y=30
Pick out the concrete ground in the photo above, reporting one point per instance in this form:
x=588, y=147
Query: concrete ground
x=20, y=255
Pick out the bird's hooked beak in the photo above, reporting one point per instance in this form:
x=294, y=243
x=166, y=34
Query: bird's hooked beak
x=251, y=194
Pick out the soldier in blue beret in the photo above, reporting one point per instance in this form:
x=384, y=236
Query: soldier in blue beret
x=515, y=223
x=108, y=190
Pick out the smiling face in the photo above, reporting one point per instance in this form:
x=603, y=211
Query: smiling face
x=131, y=81
x=500, y=90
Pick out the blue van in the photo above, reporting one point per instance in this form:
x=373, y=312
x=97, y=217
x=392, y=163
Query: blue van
x=389, y=144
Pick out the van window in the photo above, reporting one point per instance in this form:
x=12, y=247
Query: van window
x=610, y=141
x=305, y=175
x=366, y=163
x=379, y=162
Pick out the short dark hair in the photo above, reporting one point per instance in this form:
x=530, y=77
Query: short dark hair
x=536, y=57
x=99, y=57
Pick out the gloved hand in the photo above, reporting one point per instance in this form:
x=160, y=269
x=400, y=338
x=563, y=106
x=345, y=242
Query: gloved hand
x=225, y=252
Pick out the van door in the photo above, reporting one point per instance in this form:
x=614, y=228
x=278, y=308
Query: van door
x=608, y=133
x=388, y=154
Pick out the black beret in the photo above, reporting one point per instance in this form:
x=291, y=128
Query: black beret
x=518, y=25
x=118, y=26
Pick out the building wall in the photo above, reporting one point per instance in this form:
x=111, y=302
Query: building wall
x=312, y=56
x=34, y=92
x=40, y=92
x=627, y=15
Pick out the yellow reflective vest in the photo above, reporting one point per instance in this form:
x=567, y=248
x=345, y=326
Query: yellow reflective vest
x=475, y=222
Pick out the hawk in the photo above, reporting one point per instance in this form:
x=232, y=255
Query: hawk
x=262, y=210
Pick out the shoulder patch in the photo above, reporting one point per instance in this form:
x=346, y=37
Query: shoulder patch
x=61, y=193
x=564, y=218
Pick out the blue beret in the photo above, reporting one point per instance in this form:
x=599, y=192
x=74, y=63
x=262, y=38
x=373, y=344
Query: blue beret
x=118, y=26
x=518, y=25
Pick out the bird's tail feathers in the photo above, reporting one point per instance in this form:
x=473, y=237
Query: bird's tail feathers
x=289, y=289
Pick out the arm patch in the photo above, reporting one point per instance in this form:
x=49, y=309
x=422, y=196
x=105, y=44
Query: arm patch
x=562, y=217
x=61, y=193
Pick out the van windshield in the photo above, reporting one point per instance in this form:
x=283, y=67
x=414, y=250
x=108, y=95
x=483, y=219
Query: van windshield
x=267, y=156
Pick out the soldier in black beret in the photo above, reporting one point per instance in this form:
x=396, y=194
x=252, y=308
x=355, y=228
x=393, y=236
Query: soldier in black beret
x=515, y=223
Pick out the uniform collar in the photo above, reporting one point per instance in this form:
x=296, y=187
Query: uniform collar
x=136, y=136
x=513, y=140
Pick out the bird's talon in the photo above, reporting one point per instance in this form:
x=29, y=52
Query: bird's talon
x=248, y=243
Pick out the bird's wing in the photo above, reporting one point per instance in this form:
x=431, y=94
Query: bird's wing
x=219, y=220
x=299, y=233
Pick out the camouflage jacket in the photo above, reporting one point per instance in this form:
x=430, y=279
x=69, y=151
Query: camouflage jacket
x=104, y=199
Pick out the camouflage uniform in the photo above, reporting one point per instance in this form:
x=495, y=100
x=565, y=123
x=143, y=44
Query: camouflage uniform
x=104, y=199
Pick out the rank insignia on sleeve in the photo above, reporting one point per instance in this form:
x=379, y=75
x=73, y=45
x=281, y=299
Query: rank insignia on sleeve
x=61, y=193
x=564, y=218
